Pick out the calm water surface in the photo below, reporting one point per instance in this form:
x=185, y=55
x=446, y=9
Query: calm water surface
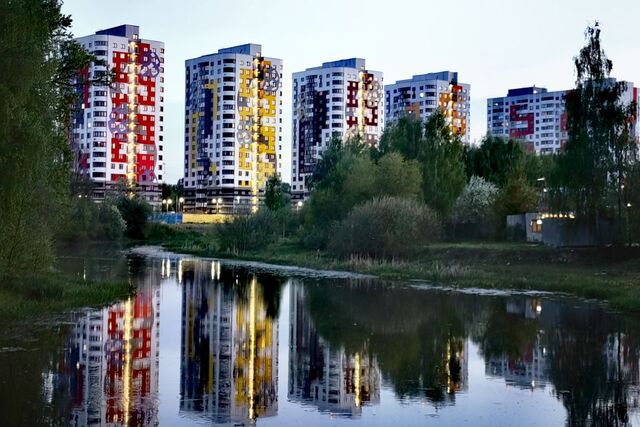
x=208, y=343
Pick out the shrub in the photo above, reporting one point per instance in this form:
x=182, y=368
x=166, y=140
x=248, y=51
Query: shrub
x=250, y=232
x=87, y=220
x=384, y=228
x=475, y=203
x=135, y=212
x=111, y=225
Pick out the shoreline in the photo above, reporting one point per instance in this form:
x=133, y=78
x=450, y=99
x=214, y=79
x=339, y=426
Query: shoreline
x=610, y=275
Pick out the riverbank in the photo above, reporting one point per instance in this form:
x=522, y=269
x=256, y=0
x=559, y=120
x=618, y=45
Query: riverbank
x=611, y=274
x=29, y=297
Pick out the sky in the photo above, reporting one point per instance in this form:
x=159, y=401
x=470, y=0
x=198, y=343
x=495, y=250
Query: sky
x=494, y=45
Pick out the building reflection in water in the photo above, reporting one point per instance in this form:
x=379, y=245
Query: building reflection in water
x=529, y=369
x=229, y=347
x=110, y=366
x=330, y=378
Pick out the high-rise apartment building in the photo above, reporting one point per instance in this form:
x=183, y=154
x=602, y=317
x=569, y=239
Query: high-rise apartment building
x=423, y=94
x=233, y=128
x=536, y=116
x=117, y=131
x=340, y=98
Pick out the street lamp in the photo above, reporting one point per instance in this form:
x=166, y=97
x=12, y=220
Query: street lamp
x=164, y=202
x=181, y=202
x=218, y=202
x=169, y=201
x=298, y=206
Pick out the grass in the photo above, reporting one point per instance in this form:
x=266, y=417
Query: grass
x=29, y=297
x=611, y=274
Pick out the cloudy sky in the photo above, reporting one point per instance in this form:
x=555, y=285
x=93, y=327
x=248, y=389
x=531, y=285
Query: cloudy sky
x=493, y=44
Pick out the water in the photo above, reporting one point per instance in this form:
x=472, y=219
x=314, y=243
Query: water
x=208, y=343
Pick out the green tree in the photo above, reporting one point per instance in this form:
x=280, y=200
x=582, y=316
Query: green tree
x=495, y=159
x=39, y=63
x=443, y=169
x=595, y=161
x=276, y=194
x=136, y=212
x=406, y=136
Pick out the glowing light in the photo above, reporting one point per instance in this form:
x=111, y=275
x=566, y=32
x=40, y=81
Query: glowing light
x=252, y=347
x=128, y=321
x=357, y=380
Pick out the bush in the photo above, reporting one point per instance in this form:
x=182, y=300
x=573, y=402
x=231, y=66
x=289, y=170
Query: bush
x=250, y=232
x=135, y=212
x=384, y=228
x=474, y=210
x=87, y=220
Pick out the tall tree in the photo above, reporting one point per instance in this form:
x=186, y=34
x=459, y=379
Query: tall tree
x=442, y=159
x=39, y=62
x=596, y=157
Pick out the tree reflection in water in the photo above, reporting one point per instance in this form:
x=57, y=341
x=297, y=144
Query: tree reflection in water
x=419, y=340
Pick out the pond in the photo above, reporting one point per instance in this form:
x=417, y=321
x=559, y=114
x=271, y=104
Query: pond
x=213, y=342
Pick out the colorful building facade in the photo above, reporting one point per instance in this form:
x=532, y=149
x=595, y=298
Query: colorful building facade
x=537, y=117
x=421, y=95
x=233, y=128
x=338, y=99
x=117, y=131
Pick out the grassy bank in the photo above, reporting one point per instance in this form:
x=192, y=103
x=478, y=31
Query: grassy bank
x=35, y=295
x=611, y=274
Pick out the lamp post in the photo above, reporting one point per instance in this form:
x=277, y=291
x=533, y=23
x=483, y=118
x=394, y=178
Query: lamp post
x=169, y=201
x=164, y=203
x=218, y=202
x=299, y=205
x=181, y=202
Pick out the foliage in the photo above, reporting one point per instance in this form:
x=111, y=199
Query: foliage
x=136, y=212
x=355, y=179
x=475, y=204
x=443, y=166
x=276, y=194
x=87, y=220
x=39, y=61
x=495, y=159
x=439, y=153
x=600, y=146
x=245, y=233
x=517, y=197
x=406, y=136
x=384, y=228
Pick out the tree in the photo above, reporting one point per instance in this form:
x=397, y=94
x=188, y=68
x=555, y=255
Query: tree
x=494, y=159
x=475, y=204
x=406, y=136
x=276, y=194
x=39, y=63
x=136, y=212
x=595, y=161
x=443, y=170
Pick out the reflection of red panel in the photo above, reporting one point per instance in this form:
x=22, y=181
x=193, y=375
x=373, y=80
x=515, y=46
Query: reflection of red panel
x=516, y=117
